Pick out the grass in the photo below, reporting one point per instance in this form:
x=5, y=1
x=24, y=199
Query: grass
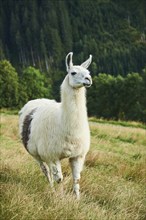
x=112, y=183
x=122, y=123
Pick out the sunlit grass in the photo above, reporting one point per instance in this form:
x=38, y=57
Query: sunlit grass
x=112, y=183
x=122, y=123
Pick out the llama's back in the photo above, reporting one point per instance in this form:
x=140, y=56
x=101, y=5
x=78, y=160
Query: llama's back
x=29, y=107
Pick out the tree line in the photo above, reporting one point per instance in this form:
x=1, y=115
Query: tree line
x=118, y=97
x=110, y=97
x=40, y=33
x=35, y=37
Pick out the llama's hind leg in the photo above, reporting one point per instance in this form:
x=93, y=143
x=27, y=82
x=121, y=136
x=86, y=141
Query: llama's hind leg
x=44, y=167
x=76, y=166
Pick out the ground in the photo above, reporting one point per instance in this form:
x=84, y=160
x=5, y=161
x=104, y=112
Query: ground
x=112, y=182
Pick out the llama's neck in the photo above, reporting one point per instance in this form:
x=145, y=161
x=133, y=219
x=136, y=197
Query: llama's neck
x=73, y=102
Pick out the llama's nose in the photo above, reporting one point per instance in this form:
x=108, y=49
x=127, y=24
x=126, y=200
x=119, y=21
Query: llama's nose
x=88, y=81
x=87, y=78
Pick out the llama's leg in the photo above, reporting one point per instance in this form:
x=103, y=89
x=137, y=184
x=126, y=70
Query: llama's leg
x=56, y=171
x=46, y=171
x=76, y=166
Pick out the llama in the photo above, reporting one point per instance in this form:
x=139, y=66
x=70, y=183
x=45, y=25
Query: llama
x=52, y=131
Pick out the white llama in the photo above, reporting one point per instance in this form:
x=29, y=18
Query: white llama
x=51, y=131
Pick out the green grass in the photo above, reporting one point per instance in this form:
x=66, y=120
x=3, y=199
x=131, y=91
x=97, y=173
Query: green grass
x=112, y=182
x=122, y=123
x=9, y=111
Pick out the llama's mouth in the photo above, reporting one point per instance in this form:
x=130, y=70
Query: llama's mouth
x=87, y=85
x=88, y=82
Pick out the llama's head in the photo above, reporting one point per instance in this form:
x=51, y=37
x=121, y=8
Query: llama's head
x=79, y=76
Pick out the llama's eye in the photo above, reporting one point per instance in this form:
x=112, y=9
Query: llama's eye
x=73, y=73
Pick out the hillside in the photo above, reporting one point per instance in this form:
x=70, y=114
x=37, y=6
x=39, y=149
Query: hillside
x=112, y=183
x=40, y=33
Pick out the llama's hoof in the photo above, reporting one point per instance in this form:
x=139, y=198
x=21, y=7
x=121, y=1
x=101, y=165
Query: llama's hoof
x=59, y=180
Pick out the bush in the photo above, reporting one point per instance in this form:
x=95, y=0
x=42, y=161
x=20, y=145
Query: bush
x=118, y=97
x=8, y=85
x=32, y=85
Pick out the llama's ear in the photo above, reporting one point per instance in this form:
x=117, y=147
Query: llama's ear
x=87, y=62
x=68, y=61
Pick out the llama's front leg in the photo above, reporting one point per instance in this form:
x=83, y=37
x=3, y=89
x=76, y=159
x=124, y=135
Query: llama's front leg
x=56, y=171
x=44, y=167
x=76, y=166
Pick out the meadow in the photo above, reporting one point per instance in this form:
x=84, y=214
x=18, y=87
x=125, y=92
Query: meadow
x=113, y=182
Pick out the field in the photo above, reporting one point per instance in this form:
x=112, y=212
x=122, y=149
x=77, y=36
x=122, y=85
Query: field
x=113, y=183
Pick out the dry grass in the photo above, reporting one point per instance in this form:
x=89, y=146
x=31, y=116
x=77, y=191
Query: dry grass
x=112, y=183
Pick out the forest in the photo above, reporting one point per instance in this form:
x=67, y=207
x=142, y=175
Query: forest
x=36, y=35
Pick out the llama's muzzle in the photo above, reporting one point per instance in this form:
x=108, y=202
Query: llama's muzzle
x=88, y=82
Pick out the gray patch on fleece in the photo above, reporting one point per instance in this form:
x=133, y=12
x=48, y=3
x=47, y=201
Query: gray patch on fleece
x=26, y=129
